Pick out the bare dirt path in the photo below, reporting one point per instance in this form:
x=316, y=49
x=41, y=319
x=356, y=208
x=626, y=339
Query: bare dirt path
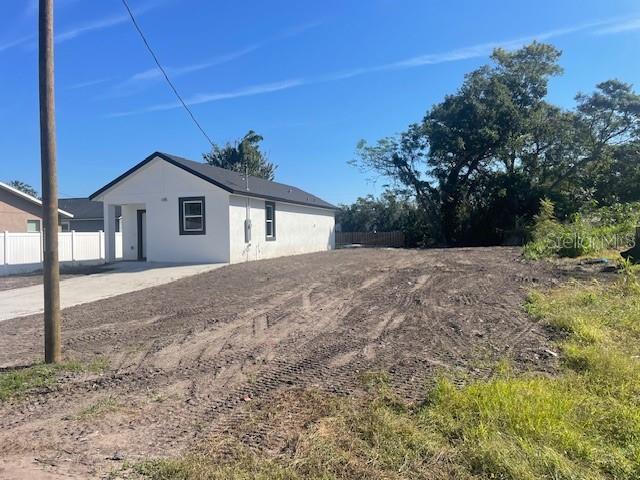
x=185, y=358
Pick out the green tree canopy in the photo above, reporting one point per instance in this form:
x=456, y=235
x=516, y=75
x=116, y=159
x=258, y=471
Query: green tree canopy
x=241, y=155
x=481, y=160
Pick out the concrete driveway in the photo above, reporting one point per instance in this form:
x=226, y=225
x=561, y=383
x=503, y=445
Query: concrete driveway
x=124, y=277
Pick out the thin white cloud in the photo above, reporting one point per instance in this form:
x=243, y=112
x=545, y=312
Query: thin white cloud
x=131, y=85
x=215, y=61
x=16, y=42
x=485, y=49
x=102, y=23
x=464, y=53
x=90, y=26
x=213, y=97
x=619, y=27
x=88, y=83
x=299, y=29
x=31, y=9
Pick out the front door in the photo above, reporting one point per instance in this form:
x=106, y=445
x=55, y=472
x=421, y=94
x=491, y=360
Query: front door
x=142, y=234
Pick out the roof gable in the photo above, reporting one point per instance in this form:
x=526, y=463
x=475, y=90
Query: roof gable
x=230, y=181
x=34, y=200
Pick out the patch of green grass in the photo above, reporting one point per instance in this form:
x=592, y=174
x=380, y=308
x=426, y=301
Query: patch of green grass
x=581, y=424
x=97, y=365
x=103, y=406
x=243, y=466
x=16, y=382
x=584, y=423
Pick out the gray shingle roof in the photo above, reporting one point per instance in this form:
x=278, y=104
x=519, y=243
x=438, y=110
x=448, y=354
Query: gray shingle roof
x=232, y=182
x=83, y=208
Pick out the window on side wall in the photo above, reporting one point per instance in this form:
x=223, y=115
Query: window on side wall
x=270, y=220
x=192, y=217
x=65, y=227
x=33, y=226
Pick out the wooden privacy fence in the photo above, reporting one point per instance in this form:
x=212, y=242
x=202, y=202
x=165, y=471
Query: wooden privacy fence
x=371, y=239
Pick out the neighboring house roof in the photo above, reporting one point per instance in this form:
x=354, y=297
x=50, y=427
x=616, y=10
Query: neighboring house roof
x=84, y=208
x=232, y=182
x=31, y=199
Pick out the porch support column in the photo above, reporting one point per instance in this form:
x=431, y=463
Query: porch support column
x=109, y=233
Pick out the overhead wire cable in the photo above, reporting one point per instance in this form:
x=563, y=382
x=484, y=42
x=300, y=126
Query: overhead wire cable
x=164, y=73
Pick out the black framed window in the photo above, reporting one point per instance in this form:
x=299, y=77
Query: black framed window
x=192, y=216
x=270, y=220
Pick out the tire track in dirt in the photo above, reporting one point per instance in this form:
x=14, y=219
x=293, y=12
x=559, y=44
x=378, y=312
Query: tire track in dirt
x=211, y=344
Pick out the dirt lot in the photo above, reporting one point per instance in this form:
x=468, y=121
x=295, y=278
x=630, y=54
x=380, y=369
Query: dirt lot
x=29, y=279
x=187, y=358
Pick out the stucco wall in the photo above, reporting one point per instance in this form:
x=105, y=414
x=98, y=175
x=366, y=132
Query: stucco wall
x=15, y=211
x=157, y=187
x=129, y=227
x=299, y=229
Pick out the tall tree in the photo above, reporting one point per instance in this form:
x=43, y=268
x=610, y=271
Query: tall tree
x=244, y=154
x=24, y=187
x=484, y=127
x=482, y=159
x=606, y=120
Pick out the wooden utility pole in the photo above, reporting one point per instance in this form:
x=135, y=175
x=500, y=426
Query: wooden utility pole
x=52, y=350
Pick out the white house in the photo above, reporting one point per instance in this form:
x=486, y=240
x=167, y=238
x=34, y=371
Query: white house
x=178, y=210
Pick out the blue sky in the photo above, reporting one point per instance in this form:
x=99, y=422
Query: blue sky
x=312, y=77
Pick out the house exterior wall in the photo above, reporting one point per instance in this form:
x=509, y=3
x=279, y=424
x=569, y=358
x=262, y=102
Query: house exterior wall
x=299, y=229
x=157, y=187
x=15, y=211
x=129, y=227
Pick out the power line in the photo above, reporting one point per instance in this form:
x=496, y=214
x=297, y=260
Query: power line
x=164, y=73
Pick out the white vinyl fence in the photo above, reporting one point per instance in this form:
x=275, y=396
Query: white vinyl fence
x=22, y=252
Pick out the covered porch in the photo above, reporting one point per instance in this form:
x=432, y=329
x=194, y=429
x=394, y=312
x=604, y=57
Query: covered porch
x=133, y=232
